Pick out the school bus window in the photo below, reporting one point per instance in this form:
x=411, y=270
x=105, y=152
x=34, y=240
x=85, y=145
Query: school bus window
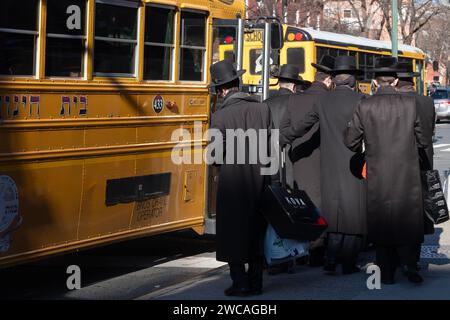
x=18, y=37
x=65, y=46
x=193, y=46
x=333, y=52
x=321, y=51
x=296, y=56
x=115, y=38
x=159, y=43
x=256, y=61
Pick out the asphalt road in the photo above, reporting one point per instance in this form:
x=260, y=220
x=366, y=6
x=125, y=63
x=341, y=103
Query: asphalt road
x=124, y=270
x=182, y=265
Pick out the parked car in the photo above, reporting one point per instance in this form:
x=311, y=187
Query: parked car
x=441, y=99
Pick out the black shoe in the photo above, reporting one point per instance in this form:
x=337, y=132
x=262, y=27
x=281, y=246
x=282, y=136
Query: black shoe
x=302, y=260
x=237, y=291
x=350, y=269
x=256, y=292
x=387, y=281
x=329, y=267
x=414, y=277
x=315, y=261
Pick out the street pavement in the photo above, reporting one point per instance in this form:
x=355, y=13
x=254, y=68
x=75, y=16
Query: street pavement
x=313, y=283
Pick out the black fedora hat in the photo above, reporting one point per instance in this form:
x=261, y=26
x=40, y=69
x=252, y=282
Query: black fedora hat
x=345, y=64
x=387, y=66
x=406, y=71
x=290, y=72
x=325, y=64
x=223, y=72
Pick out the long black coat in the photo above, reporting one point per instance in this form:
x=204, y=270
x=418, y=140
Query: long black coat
x=277, y=103
x=305, y=152
x=240, y=226
x=343, y=194
x=427, y=117
x=388, y=124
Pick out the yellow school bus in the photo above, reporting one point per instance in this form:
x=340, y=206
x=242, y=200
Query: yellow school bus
x=305, y=45
x=90, y=94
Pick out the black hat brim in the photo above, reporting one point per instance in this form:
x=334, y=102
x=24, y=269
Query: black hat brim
x=386, y=70
x=293, y=80
x=402, y=75
x=355, y=72
x=238, y=75
x=321, y=68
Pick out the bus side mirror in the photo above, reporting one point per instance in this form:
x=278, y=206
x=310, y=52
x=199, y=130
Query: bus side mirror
x=277, y=39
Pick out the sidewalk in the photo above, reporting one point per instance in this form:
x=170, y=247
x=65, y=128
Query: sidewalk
x=312, y=283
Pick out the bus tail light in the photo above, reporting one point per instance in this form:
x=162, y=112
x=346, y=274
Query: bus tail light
x=228, y=39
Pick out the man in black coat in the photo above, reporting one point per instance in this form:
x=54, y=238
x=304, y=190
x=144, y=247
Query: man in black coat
x=343, y=194
x=240, y=226
x=388, y=124
x=305, y=152
x=427, y=116
x=288, y=79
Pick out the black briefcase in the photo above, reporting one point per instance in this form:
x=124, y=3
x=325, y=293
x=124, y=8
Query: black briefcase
x=290, y=211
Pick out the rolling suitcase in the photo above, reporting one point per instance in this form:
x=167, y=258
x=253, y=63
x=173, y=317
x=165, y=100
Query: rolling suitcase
x=290, y=211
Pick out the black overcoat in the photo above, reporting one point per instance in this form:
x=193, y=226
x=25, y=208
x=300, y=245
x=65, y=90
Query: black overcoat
x=388, y=124
x=305, y=153
x=343, y=194
x=277, y=103
x=240, y=226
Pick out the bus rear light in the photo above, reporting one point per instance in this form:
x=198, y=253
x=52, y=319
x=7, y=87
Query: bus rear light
x=228, y=39
x=295, y=36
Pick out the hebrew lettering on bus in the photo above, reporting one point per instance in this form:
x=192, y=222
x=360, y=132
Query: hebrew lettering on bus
x=83, y=106
x=7, y=103
x=35, y=101
x=65, y=102
x=73, y=103
x=24, y=102
x=16, y=106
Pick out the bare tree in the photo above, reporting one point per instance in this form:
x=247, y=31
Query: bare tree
x=364, y=11
x=413, y=16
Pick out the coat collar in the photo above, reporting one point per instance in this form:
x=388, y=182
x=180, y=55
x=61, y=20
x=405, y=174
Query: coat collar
x=235, y=97
x=283, y=91
x=317, y=87
x=386, y=90
x=344, y=88
x=407, y=89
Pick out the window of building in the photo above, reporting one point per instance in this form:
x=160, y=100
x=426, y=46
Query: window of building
x=193, y=46
x=159, y=43
x=347, y=13
x=18, y=37
x=66, y=38
x=115, y=38
x=296, y=56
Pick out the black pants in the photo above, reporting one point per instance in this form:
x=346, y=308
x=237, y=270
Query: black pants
x=251, y=279
x=344, y=246
x=389, y=257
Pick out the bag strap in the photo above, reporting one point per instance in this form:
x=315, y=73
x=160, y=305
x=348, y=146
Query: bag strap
x=282, y=170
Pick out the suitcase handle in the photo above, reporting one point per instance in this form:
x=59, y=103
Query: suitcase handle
x=282, y=171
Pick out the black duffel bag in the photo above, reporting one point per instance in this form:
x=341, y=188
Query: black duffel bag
x=290, y=211
x=434, y=203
